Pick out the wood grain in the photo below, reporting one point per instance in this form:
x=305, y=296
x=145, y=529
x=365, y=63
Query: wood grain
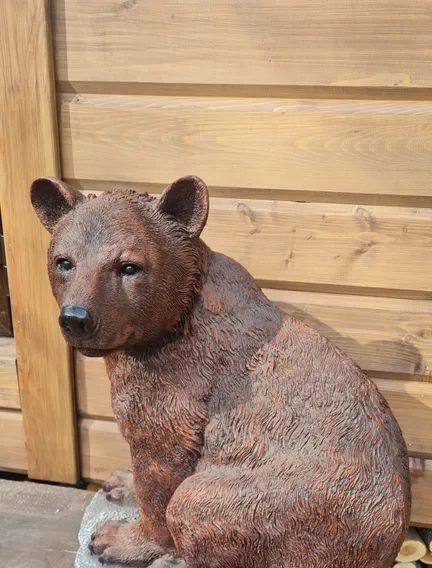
x=9, y=392
x=379, y=247
x=29, y=143
x=12, y=441
x=410, y=401
x=103, y=449
x=365, y=147
x=250, y=42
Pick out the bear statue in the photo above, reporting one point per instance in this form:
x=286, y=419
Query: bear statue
x=255, y=442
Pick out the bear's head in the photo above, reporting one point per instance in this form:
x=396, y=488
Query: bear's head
x=124, y=267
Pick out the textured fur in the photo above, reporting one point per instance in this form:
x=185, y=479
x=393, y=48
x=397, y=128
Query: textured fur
x=255, y=442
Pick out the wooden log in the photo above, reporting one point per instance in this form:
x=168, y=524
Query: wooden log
x=413, y=548
x=407, y=565
x=426, y=535
x=427, y=558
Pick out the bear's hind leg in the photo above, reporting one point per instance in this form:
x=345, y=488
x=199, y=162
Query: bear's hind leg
x=216, y=520
x=236, y=518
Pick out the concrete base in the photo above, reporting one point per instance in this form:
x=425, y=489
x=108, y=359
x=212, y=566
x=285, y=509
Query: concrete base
x=98, y=512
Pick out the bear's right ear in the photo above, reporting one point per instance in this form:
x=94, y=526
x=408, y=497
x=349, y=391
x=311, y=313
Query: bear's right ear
x=51, y=199
x=187, y=201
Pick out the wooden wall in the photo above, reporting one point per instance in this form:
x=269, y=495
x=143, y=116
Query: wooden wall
x=312, y=124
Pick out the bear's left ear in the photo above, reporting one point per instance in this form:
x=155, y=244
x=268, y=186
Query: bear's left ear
x=52, y=198
x=187, y=201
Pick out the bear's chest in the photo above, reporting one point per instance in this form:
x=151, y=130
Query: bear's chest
x=157, y=418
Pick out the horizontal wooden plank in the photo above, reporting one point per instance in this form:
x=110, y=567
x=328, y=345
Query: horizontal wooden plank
x=250, y=42
x=330, y=146
x=9, y=392
x=12, y=441
x=410, y=401
x=103, y=449
x=363, y=249
x=383, y=335
x=411, y=404
x=378, y=247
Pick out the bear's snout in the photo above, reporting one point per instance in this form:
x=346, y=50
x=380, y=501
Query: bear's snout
x=76, y=322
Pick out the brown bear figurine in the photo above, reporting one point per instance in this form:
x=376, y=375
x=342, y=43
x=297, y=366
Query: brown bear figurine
x=255, y=442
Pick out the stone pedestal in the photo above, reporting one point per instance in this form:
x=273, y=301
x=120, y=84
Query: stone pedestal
x=99, y=511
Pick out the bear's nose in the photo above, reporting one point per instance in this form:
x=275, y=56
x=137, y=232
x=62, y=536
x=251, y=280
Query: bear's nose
x=76, y=321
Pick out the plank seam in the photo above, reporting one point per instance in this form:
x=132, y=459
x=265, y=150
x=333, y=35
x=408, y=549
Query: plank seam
x=397, y=93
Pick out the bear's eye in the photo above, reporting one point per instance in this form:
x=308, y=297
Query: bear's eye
x=129, y=269
x=64, y=264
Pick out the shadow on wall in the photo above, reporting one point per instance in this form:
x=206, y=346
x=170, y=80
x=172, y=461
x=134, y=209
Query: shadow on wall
x=402, y=359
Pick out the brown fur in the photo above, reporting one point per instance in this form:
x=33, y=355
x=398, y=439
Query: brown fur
x=254, y=441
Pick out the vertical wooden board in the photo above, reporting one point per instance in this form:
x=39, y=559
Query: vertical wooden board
x=29, y=144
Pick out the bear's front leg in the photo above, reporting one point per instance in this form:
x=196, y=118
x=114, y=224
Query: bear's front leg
x=138, y=544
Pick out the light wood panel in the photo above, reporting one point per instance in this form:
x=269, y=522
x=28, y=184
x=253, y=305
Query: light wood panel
x=410, y=401
x=103, y=449
x=411, y=404
x=248, y=42
x=365, y=147
x=383, y=335
x=12, y=442
x=378, y=247
x=29, y=144
x=9, y=393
